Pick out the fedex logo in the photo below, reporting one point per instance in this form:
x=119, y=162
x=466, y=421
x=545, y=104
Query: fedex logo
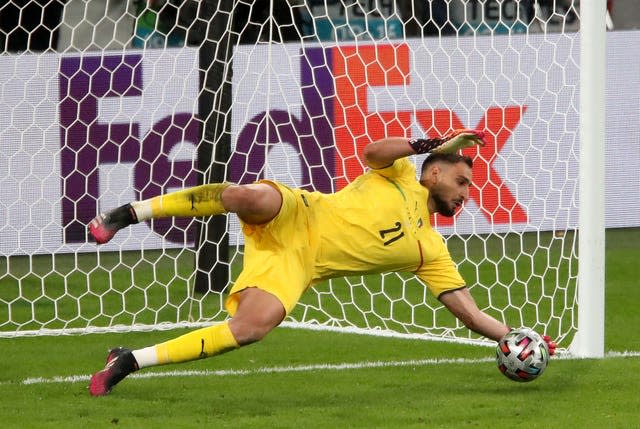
x=338, y=119
x=112, y=123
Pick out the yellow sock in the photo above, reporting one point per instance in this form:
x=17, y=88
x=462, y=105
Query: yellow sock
x=203, y=200
x=199, y=344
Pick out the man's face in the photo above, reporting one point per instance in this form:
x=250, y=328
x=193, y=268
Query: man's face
x=448, y=186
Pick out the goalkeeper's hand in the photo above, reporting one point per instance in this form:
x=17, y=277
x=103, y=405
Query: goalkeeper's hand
x=451, y=142
x=459, y=139
x=551, y=344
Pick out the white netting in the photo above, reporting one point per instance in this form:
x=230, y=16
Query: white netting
x=133, y=99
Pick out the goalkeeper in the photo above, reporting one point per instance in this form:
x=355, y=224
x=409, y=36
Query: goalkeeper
x=294, y=239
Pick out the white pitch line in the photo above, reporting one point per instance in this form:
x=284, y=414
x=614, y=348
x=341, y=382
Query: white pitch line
x=299, y=368
x=265, y=370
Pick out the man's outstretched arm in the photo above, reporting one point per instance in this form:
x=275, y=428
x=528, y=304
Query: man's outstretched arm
x=463, y=306
x=383, y=152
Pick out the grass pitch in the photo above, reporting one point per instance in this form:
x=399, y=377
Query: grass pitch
x=308, y=379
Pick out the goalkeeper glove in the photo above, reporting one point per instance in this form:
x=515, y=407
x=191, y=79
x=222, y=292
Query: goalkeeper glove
x=551, y=344
x=450, y=142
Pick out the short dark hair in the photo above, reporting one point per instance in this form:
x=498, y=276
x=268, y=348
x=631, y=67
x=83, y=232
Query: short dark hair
x=449, y=158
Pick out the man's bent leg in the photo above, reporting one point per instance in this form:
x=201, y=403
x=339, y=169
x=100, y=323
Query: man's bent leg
x=199, y=344
x=257, y=314
x=255, y=204
x=204, y=200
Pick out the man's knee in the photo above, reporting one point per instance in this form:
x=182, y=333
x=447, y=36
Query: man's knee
x=236, y=197
x=258, y=313
x=255, y=203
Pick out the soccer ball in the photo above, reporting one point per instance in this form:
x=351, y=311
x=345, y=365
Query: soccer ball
x=522, y=355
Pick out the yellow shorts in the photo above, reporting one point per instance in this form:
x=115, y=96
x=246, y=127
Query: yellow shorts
x=278, y=256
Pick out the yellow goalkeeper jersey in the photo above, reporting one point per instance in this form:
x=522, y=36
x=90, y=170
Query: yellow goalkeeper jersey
x=380, y=223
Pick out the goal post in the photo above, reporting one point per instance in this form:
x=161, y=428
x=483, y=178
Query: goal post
x=589, y=339
x=293, y=91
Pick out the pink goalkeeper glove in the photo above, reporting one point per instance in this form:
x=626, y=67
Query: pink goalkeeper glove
x=551, y=344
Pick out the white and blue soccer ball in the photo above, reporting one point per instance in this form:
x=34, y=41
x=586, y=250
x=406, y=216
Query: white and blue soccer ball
x=522, y=355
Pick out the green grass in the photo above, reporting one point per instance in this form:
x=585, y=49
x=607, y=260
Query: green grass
x=432, y=393
x=589, y=393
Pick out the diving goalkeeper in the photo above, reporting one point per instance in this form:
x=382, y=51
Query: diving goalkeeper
x=294, y=239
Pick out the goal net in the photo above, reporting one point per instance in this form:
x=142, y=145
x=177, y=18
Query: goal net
x=108, y=102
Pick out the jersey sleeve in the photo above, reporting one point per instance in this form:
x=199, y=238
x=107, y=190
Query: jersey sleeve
x=400, y=168
x=440, y=274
